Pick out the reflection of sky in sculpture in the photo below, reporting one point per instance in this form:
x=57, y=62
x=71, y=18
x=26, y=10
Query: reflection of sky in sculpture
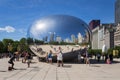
x=61, y=25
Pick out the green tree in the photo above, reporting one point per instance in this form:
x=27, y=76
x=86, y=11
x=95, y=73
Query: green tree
x=15, y=45
x=1, y=47
x=7, y=44
x=30, y=41
x=23, y=41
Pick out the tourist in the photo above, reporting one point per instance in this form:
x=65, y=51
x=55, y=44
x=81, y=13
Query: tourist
x=108, y=61
x=98, y=57
x=87, y=57
x=111, y=57
x=50, y=57
x=106, y=57
x=29, y=57
x=24, y=57
x=11, y=62
x=59, y=57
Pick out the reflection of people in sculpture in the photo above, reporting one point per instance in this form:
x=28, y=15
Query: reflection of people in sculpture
x=46, y=57
x=79, y=57
x=50, y=57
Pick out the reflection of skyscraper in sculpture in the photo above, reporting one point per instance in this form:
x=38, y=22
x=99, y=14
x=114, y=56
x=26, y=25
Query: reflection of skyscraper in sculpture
x=73, y=38
x=80, y=39
x=87, y=36
x=45, y=38
x=67, y=40
x=58, y=39
x=51, y=36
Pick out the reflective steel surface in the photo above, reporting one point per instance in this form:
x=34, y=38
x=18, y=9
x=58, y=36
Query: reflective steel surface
x=60, y=28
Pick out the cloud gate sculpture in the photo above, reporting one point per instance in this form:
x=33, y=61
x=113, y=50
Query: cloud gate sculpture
x=55, y=31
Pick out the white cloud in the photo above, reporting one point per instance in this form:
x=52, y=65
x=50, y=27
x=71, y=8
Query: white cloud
x=8, y=29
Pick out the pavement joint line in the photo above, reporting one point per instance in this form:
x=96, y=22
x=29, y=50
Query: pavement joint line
x=5, y=78
x=46, y=73
x=24, y=74
x=67, y=74
x=56, y=74
x=15, y=74
x=37, y=72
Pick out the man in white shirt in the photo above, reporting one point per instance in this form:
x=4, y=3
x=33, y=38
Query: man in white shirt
x=59, y=57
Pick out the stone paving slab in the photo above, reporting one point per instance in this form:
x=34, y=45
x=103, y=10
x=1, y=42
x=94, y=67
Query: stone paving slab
x=45, y=71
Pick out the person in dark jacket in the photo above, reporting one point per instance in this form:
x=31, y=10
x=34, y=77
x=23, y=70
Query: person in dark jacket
x=11, y=60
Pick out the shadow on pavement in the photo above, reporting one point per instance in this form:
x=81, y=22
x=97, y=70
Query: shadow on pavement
x=34, y=67
x=2, y=71
x=67, y=66
x=95, y=66
x=20, y=69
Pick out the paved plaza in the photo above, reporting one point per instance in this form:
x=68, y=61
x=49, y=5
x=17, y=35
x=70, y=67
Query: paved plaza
x=44, y=71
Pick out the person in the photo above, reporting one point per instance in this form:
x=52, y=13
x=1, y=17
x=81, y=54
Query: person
x=25, y=54
x=87, y=57
x=111, y=57
x=50, y=57
x=29, y=59
x=108, y=61
x=59, y=57
x=98, y=57
x=11, y=62
x=106, y=57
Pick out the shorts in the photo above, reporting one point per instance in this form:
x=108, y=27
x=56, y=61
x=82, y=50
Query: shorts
x=29, y=61
x=49, y=58
x=60, y=61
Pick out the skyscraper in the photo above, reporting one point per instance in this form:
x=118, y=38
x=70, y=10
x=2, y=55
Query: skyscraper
x=93, y=24
x=117, y=11
x=45, y=38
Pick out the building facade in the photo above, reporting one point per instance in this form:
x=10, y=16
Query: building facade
x=117, y=36
x=95, y=38
x=117, y=11
x=103, y=35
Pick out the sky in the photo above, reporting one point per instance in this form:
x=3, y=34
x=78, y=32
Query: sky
x=16, y=16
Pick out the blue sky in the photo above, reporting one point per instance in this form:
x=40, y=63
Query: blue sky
x=16, y=16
